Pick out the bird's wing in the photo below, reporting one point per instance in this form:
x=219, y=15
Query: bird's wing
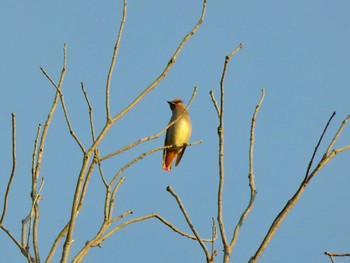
x=180, y=153
x=165, y=144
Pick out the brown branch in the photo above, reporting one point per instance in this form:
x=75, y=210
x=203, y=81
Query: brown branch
x=99, y=239
x=49, y=117
x=108, y=125
x=188, y=220
x=18, y=244
x=211, y=93
x=332, y=254
x=34, y=155
x=90, y=112
x=41, y=146
x=114, y=58
x=152, y=215
x=316, y=148
x=110, y=197
x=101, y=174
x=143, y=155
x=250, y=176
x=8, y=188
x=85, y=184
x=289, y=205
x=129, y=212
x=56, y=242
x=335, y=138
x=59, y=90
x=220, y=112
x=165, y=71
x=213, y=238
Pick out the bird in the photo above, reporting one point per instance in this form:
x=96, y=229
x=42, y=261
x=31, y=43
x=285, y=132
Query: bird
x=177, y=135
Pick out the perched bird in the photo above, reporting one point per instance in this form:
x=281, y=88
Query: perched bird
x=178, y=134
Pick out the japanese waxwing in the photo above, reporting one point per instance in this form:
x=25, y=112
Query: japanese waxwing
x=178, y=134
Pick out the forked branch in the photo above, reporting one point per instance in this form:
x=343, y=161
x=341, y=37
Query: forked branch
x=328, y=155
x=220, y=112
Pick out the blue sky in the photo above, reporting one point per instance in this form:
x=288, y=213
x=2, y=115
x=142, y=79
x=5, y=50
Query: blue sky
x=297, y=50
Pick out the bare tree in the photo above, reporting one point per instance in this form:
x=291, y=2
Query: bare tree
x=92, y=160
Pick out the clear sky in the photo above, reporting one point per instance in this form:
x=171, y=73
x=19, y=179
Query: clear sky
x=297, y=50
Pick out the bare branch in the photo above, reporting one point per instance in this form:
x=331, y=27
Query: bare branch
x=85, y=185
x=109, y=209
x=49, y=117
x=99, y=239
x=114, y=58
x=153, y=215
x=56, y=242
x=213, y=238
x=36, y=197
x=289, y=205
x=165, y=71
x=101, y=174
x=188, y=220
x=318, y=144
x=221, y=154
x=35, y=150
x=211, y=93
x=36, y=222
x=250, y=176
x=59, y=90
x=18, y=244
x=332, y=254
x=8, y=188
x=335, y=138
x=90, y=112
x=108, y=125
x=143, y=155
x=129, y=212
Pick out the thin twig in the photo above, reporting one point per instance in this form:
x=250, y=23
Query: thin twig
x=289, y=205
x=337, y=134
x=41, y=146
x=112, y=198
x=99, y=238
x=90, y=112
x=152, y=215
x=332, y=254
x=250, y=176
x=12, y=170
x=18, y=244
x=35, y=234
x=35, y=150
x=213, y=238
x=59, y=90
x=36, y=197
x=35, y=206
x=101, y=174
x=143, y=155
x=220, y=112
x=316, y=148
x=211, y=93
x=188, y=220
x=114, y=58
x=49, y=117
x=129, y=212
x=164, y=72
